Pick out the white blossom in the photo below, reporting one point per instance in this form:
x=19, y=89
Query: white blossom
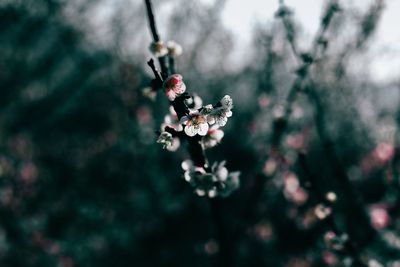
x=227, y=102
x=195, y=123
x=219, y=115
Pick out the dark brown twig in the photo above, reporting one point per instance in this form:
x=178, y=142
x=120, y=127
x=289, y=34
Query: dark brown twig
x=195, y=149
x=156, y=37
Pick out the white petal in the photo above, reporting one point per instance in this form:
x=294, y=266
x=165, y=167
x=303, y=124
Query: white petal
x=190, y=130
x=210, y=143
x=170, y=94
x=222, y=121
x=186, y=164
x=198, y=102
x=228, y=113
x=223, y=174
x=203, y=129
x=212, y=193
x=172, y=111
x=200, y=192
x=187, y=176
x=174, y=145
x=218, y=135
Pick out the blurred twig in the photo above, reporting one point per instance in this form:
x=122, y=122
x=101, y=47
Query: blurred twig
x=353, y=200
x=280, y=124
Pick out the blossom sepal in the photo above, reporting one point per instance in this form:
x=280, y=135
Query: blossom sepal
x=168, y=141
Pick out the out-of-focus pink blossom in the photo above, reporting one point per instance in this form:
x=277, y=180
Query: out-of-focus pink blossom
x=28, y=172
x=143, y=115
x=299, y=197
x=383, y=152
x=330, y=258
x=296, y=141
x=263, y=101
x=322, y=211
x=292, y=189
x=211, y=247
x=379, y=156
x=379, y=217
x=263, y=231
x=291, y=182
x=270, y=167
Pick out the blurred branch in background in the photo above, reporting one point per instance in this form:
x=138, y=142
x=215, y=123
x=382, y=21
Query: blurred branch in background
x=84, y=183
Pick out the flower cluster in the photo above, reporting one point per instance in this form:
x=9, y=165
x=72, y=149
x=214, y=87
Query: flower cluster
x=190, y=121
x=199, y=121
x=219, y=115
x=160, y=49
x=217, y=182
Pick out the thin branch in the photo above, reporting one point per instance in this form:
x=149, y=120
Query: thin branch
x=195, y=149
x=156, y=37
x=152, y=22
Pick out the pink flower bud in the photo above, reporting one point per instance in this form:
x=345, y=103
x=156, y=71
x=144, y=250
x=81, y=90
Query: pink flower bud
x=174, y=86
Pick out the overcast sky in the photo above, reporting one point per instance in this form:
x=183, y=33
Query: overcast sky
x=240, y=16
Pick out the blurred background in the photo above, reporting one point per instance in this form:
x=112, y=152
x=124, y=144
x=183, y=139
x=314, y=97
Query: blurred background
x=84, y=183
